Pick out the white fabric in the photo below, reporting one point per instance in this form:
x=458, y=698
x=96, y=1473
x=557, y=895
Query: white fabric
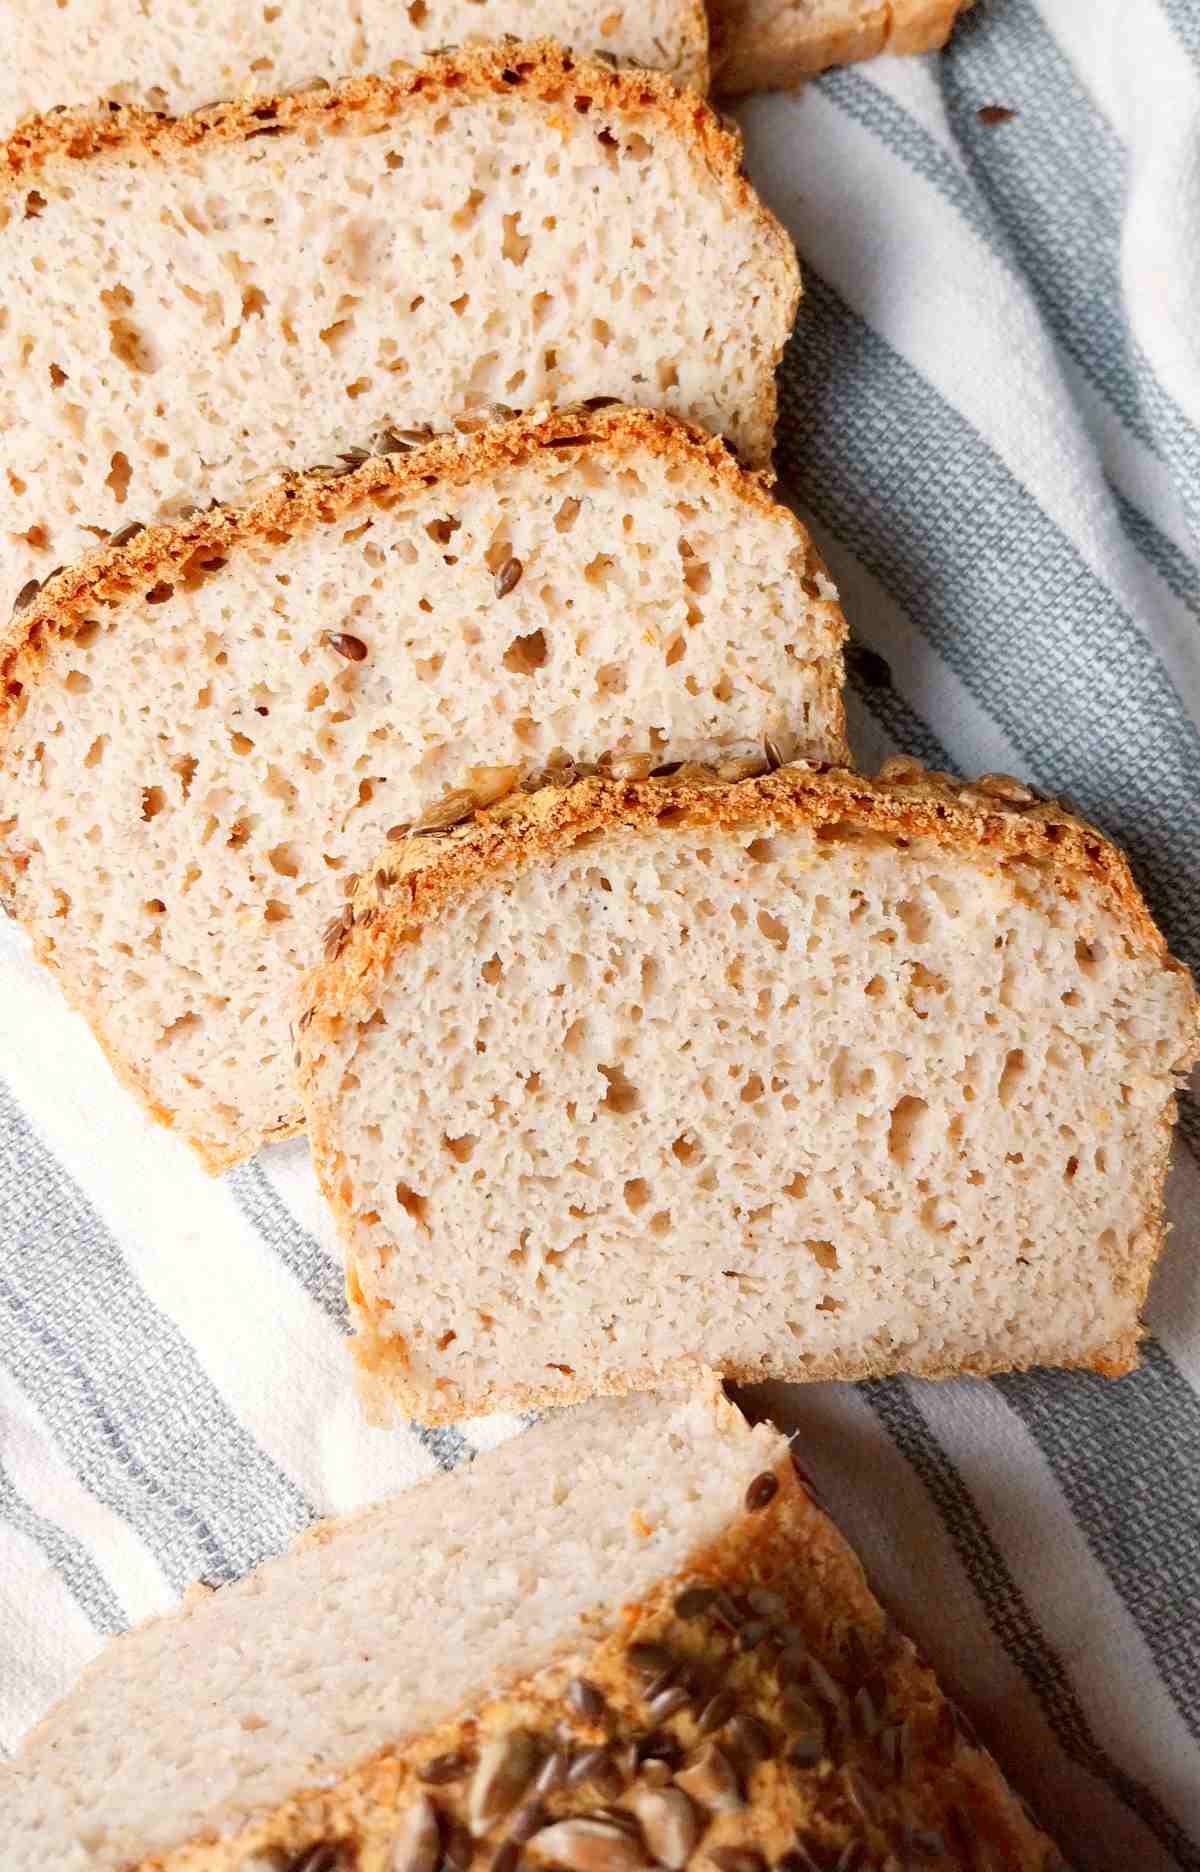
x=991, y=419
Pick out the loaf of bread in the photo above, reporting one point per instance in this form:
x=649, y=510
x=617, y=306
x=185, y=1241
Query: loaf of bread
x=811, y=1076
x=628, y=1639
x=770, y=45
x=191, y=302
x=207, y=730
x=175, y=58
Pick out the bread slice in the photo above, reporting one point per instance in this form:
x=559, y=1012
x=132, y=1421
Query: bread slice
x=174, y=59
x=771, y=45
x=210, y=728
x=630, y=1637
x=811, y=1076
x=193, y=301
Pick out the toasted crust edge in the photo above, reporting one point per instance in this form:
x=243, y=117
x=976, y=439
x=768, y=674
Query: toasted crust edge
x=423, y=875
x=770, y=60
x=539, y=69
x=300, y=502
x=762, y=1546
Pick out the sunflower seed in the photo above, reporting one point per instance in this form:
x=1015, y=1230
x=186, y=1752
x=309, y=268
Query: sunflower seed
x=799, y=1859
x=791, y=1666
x=752, y=1634
x=628, y=766
x=828, y=1689
x=660, y=1745
x=742, y=767
x=449, y=811
x=489, y=784
x=725, y=1610
x=1003, y=787
x=597, y=1766
x=458, y=1848
x=902, y=770
x=737, y=1859
x=694, y=1601
x=766, y=1604
x=585, y=1844
x=335, y=935
x=862, y=1796
x=355, y=456
x=26, y=595
x=352, y=648
x=417, y=1844
x=124, y=534
x=506, y=1767
x=323, y=1857
x=444, y=1768
x=866, y=1716
x=716, y=1712
x=552, y=1773
x=627, y=1760
x=928, y=1843
x=528, y=1820
x=663, y=1681
x=761, y=1491
x=584, y=1697
x=808, y=1748
x=506, y=1857
x=751, y=1738
x=508, y=577
x=710, y=1778
x=397, y=832
x=670, y=1824
x=773, y=752
x=667, y=1702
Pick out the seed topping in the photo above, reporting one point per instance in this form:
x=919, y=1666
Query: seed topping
x=446, y=1768
x=584, y=1697
x=711, y=1779
x=587, y=1843
x=417, y=1845
x=352, y=648
x=508, y=577
x=505, y=1769
x=670, y=1824
x=761, y=1491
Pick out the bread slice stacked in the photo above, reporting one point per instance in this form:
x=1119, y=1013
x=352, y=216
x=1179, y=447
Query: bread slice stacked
x=241, y=709
x=806, y=1076
x=174, y=59
x=630, y=1638
x=191, y=303
x=771, y=45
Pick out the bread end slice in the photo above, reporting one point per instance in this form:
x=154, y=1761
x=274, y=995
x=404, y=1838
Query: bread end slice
x=629, y=1601
x=767, y=45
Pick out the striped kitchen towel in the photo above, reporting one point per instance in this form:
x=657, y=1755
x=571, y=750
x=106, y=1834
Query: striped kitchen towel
x=991, y=419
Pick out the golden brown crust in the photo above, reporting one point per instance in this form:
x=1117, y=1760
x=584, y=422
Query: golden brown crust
x=890, y=1749
x=413, y=881
x=782, y=53
x=540, y=71
x=293, y=504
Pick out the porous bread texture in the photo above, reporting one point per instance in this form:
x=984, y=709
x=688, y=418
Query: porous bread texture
x=503, y=1616
x=808, y=1077
x=771, y=45
x=192, y=302
x=193, y=768
x=176, y=57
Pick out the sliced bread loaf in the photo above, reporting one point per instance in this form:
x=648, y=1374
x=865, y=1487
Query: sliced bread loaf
x=190, y=302
x=546, y=1659
x=770, y=45
x=208, y=729
x=175, y=58
x=811, y=1076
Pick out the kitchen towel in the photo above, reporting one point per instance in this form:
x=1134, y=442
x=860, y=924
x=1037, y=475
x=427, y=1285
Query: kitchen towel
x=990, y=417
